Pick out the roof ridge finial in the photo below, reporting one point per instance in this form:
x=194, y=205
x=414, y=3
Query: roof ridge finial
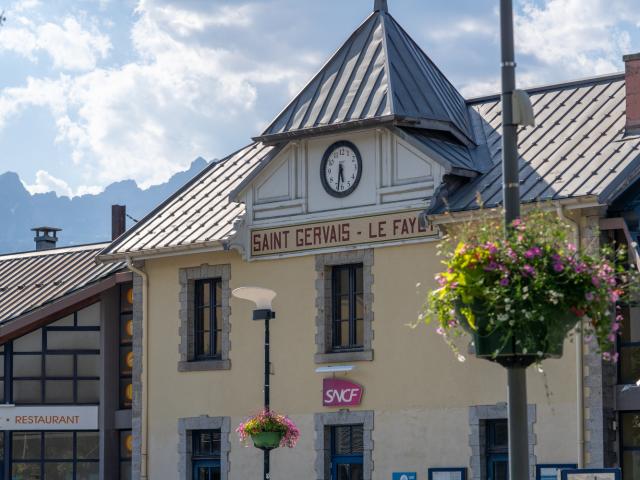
x=381, y=6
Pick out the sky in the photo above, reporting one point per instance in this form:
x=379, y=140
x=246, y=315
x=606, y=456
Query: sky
x=97, y=91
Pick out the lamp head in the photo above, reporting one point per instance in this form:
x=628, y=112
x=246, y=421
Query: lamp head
x=261, y=297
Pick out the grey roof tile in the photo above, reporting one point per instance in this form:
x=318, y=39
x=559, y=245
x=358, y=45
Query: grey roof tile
x=577, y=148
x=380, y=73
x=34, y=279
x=198, y=214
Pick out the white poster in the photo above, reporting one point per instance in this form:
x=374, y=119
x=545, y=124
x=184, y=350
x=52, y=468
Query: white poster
x=43, y=417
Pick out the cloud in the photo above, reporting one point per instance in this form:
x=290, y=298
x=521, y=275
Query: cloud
x=147, y=119
x=69, y=44
x=24, y=5
x=46, y=182
x=579, y=37
x=185, y=21
x=464, y=27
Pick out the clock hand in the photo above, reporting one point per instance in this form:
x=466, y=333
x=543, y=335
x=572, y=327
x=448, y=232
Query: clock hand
x=340, y=175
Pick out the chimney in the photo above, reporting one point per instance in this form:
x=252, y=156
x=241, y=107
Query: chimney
x=46, y=237
x=632, y=80
x=118, y=220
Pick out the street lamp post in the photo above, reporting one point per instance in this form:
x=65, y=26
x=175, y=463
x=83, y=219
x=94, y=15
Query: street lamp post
x=516, y=374
x=262, y=298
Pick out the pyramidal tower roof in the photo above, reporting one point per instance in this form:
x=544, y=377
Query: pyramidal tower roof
x=380, y=75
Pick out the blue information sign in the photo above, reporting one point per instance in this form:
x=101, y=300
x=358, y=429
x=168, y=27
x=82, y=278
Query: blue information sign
x=404, y=476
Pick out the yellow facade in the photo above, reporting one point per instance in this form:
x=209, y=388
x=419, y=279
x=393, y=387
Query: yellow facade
x=419, y=391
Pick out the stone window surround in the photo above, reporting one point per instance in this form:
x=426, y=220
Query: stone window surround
x=188, y=276
x=324, y=262
x=478, y=415
x=343, y=417
x=185, y=444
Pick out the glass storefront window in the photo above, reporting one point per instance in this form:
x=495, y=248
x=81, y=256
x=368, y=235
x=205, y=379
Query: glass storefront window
x=60, y=363
x=126, y=449
x=629, y=346
x=55, y=455
x=126, y=345
x=630, y=442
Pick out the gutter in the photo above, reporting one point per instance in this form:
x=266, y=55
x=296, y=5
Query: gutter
x=144, y=441
x=579, y=356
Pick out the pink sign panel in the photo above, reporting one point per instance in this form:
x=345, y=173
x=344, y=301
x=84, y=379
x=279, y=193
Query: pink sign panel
x=340, y=393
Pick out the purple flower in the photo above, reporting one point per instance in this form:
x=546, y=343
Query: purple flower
x=589, y=296
x=504, y=281
x=611, y=337
x=595, y=281
x=529, y=270
x=558, y=267
x=491, y=266
x=533, y=252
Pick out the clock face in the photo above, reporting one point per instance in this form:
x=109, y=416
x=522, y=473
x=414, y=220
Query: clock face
x=341, y=169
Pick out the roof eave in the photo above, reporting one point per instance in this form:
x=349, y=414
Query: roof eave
x=36, y=318
x=202, y=247
x=455, y=216
x=275, y=138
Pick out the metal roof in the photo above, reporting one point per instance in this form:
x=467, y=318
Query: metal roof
x=200, y=213
x=379, y=74
x=577, y=148
x=32, y=280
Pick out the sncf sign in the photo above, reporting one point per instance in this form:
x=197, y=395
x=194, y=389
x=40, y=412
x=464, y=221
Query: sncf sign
x=340, y=393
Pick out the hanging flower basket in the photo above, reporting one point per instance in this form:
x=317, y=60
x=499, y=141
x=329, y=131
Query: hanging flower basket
x=520, y=297
x=269, y=430
x=267, y=440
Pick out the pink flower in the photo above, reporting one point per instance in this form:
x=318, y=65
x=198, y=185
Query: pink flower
x=440, y=331
x=606, y=356
x=595, y=281
x=529, y=270
x=615, y=326
x=558, y=267
x=611, y=337
x=615, y=357
x=571, y=247
x=589, y=296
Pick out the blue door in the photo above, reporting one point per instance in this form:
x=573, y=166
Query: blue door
x=206, y=470
x=497, y=450
x=498, y=466
x=346, y=452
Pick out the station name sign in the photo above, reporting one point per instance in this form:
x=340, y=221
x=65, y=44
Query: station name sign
x=48, y=417
x=339, y=233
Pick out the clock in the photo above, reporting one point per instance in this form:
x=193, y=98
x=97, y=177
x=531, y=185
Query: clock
x=341, y=169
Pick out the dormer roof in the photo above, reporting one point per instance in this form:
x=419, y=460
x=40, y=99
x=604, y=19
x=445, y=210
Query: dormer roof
x=380, y=75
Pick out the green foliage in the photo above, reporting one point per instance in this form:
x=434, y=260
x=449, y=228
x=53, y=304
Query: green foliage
x=533, y=282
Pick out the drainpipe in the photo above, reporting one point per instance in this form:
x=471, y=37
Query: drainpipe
x=579, y=356
x=144, y=444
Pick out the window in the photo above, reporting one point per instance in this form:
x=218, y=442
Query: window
x=629, y=346
x=344, y=320
x=497, y=450
x=56, y=455
x=630, y=445
x=204, y=318
x=60, y=363
x=126, y=450
x=207, y=324
x=447, y=474
x=347, y=307
x=205, y=455
x=550, y=472
x=347, y=452
x=126, y=346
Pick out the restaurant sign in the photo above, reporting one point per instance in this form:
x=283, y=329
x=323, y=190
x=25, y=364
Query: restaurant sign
x=43, y=417
x=341, y=393
x=339, y=233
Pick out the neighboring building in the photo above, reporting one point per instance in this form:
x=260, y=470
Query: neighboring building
x=65, y=346
x=325, y=208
